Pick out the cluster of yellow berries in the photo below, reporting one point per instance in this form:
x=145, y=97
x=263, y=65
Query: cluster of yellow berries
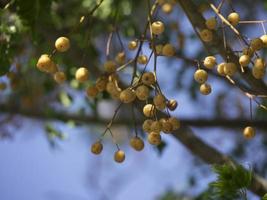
x=248, y=57
x=47, y=65
x=141, y=91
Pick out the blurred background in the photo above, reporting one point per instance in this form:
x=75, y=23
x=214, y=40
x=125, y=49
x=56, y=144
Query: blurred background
x=46, y=129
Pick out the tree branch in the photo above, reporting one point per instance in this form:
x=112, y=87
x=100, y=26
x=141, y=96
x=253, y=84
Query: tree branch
x=64, y=116
x=216, y=45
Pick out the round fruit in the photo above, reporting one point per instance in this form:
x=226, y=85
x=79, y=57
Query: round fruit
x=157, y=27
x=168, y=50
x=92, y=91
x=156, y=126
x=62, y=44
x=244, y=60
x=256, y=44
x=132, y=45
x=110, y=66
x=258, y=73
x=149, y=110
x=59, y=77
x=101, y=83
x=174, y=122
x=97, y=148
x=82, y=74
x=142, y=92
x=264, y=40
x=249, y=132
x=44, y=63
x=120, y=58
x=154, y=138
x=167, y=8
x=206, y=35
x=159, y=101
x=166, y=125
x=233, y=18
x=205, y=89
x=201, y=76
x=259, y=63
x=137, y=143
x=220, y=69
x=148, y=78
x=209, y=62
x=142, y=59
x=147, y=125
x=172, y=104
x=230, y=69
x=211, y=23
x=119, y=156
x=127, y=96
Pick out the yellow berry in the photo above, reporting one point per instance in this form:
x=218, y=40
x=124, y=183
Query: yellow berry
x=97, y=148
x=147, y=125
x=205, y=89
x=142, y=59
x=211, y=23
x=154, y=138
x=167, y=8
x=166, y=125
x=92, y=91
x=149, y=110
x=209, y=62
x=119, y=156
x=59, y=77
x=120, y=58
x=148, y=78
x=220, y=69
x=168, y=50
x=82, y=74
x=62, y=44
x=230, y=69
x=127, y=96
x=244, y=60
x=264, y=40
x=132, y=45
x=156, y=126
x=174, y=122
x=137, y=143
x=101, y=83
x=249, y=132
x=159, y=101
x=142, y=92
x=233, y=18
x=206, y=35
x=172, y=104
x=259, y=63
x=258, y=73
x=157, y=27
x=201, y=76
x=256, y=44
x=110, y=66
x=44, y=63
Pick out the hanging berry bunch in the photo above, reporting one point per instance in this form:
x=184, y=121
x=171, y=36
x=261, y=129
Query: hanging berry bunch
x=144, y=88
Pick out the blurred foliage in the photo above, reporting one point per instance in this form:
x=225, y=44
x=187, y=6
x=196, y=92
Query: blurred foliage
x=232, y=181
